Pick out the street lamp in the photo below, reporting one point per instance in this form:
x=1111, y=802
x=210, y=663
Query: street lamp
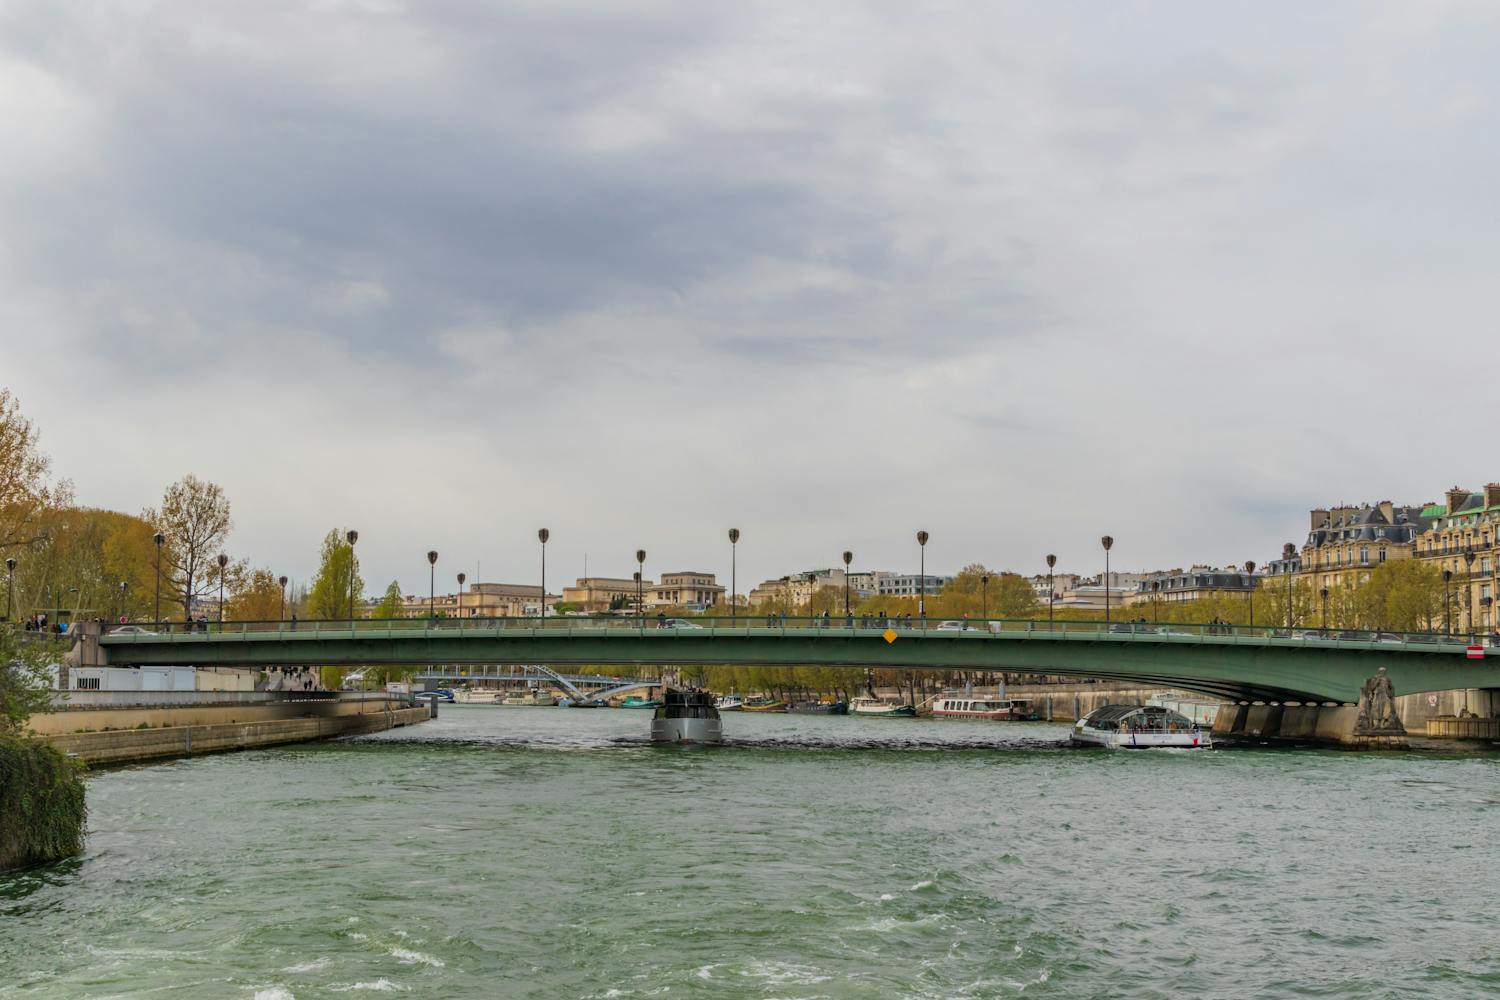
x=848, y=558
x=1469, y=586
x=10, y=586
x=542, y=535
x=1447, y=602
x=432, y=557
x=458, y=606
x=1250, y=593
x=158, y=538
x=1051, y=593
x=922, y=579
x=1288, y=552
x=223, y=561
x=352, y=536
x=640, y=606
x=984, y=598
x=281, y=615
x=1108, y=544
x=1155, y=609
x=123, y=587
x=1324, y=595
x=734, y=590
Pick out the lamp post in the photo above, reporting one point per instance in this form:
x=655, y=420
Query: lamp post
x=734, y=590
x=1155, y=593
x=158, y=538
x=223, y=561
x=1288, y=552
x=432, y=558
x=984, y=598
x=542, y=535
x=1051, y=593
x=458, y=605
x=1324, y=595
x=1447, y=602
x=1108, y=544
x=922, y=579
x=1250, y=593
x=848, y=558
x=281, y=615
x=640, y=605
x=10, y=586
x=351, y=536
x=1469, y=586
x=124, y=586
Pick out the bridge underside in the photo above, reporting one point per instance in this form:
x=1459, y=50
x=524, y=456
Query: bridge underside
x=1231, y=668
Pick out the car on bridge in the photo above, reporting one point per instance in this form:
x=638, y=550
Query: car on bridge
x=132, y=630
x=681, y=624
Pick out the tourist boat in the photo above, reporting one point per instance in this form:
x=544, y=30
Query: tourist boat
x=687, y=717
x=764, y=705
x=530, y=698
x=875, y=708
x=730, y=703
x=1139, y=727
x=968, y=706
x=819, y=707
x=636, y=701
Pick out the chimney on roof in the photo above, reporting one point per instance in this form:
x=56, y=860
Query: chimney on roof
x=1492, y=494
x=1456, y=498
x=1319, y=519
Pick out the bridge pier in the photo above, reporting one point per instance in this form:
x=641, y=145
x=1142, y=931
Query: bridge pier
x=1373, y=724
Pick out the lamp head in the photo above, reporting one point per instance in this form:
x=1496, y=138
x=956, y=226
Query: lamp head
x=432, y=557
x=922, y=538
x=351, y=536
x=734, y=536
x=1108, y=542
x=848, y=558
x=542, y=535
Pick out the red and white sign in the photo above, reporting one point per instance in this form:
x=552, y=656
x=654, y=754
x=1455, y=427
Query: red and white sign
x=1476, y=652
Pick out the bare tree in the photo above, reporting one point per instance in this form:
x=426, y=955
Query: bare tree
x=194, y=517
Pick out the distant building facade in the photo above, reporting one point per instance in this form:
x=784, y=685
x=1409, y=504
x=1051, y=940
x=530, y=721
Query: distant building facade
x=686, y=589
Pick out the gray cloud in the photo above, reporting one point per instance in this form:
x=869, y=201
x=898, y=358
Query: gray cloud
x=1023, y=274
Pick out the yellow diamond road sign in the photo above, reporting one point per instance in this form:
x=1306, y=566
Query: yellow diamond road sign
x=889, y=635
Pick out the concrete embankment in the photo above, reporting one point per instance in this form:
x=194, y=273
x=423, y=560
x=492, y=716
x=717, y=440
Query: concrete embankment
x=1069, y=702
x=166, y=724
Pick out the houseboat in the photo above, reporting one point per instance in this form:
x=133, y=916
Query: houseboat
x=875, y=708
x=964, y=706
x=1139, y=727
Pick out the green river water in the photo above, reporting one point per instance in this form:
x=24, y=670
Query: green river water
x=549, y=853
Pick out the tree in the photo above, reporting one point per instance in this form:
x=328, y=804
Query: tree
x=329, y=597
x=26, y=489
x=257, y=599
x=390, y=603
x=1405, y=595
x=25, y=678
x=194, y=517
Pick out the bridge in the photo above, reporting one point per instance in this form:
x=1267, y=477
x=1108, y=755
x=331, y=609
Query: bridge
x=1235, y=663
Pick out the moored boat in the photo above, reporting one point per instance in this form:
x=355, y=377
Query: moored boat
x=636, y=701
x=530, y=698
x=875, y=708
x=819, y=707
x=687, y=717
x=731, y=703
x=1139, y=727
x=765, y=705
x=969, y=706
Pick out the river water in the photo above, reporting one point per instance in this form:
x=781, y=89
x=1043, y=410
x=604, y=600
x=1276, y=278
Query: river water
x=552, y=853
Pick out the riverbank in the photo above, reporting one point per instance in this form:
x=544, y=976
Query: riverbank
x=151, y=725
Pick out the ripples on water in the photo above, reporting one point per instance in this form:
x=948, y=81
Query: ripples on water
x=552, y=853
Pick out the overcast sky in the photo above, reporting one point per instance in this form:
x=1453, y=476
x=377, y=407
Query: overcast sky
x=1021, y=274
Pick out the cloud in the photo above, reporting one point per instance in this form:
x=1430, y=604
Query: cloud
x=1020, y=275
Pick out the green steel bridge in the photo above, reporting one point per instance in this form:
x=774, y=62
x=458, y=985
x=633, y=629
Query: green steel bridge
x=1236, y=663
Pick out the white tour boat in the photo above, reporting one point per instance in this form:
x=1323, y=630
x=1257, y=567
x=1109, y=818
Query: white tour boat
x=1139, y=727
x=876, y=708
x=731, y=703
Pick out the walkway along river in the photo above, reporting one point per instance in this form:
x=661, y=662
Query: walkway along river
x=549, y=853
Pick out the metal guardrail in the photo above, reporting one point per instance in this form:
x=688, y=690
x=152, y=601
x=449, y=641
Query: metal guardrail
x=75, y=699
x=762, y=625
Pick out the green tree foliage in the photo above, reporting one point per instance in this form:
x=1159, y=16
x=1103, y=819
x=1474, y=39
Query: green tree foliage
x=79, y=561
x=329, y=596
x=27, y=490
x=42, y=807
x=1405, y=595
x=390, y=603
x=25, y=678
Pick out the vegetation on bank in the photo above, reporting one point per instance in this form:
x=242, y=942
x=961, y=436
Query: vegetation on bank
x=41, y=793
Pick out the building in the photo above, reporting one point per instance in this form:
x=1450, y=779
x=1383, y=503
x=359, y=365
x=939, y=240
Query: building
x=1091, y=593
x=1344, y=543
x=911, y=584
x=686, y=589
x=597, y=593
x=1176, y=586
x=480, y=600
x=1462, y=538
x=1052, y=588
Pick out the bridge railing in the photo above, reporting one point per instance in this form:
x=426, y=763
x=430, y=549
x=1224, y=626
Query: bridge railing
x=760, y=625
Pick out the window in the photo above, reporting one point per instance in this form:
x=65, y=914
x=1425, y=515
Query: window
x=1364, y=555
x=1382, y=555
x=88, y=683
